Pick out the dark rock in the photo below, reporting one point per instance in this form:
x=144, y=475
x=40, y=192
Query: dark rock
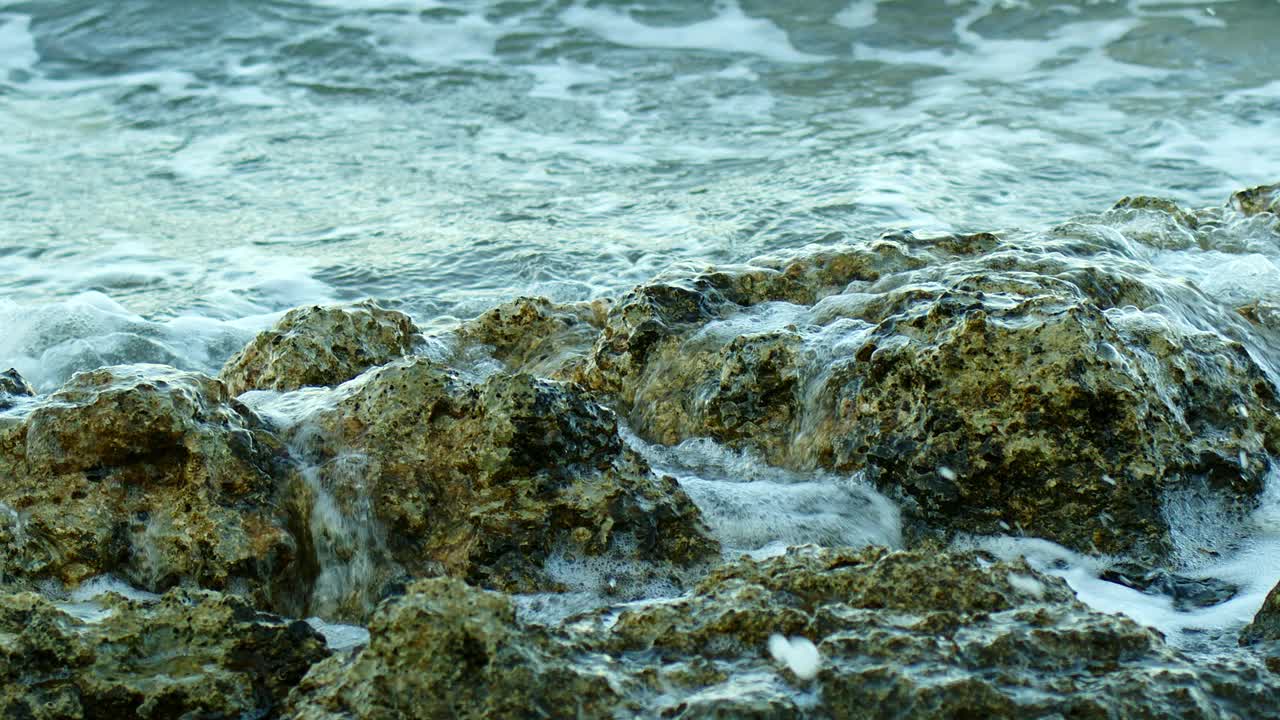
x=12, y=386
x=192, y=654
x=1186, y=593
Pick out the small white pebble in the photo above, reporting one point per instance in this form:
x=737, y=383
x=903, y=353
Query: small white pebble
x=1243, y=411
x=1109, y=480
x=947, y=473
x=799, y=654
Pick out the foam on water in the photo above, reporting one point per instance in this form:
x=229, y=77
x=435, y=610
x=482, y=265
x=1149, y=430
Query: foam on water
x=1244, y=552
x=731, y=31
x=759, y=510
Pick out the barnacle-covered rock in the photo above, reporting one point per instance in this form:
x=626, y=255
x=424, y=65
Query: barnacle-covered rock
x=319, y=346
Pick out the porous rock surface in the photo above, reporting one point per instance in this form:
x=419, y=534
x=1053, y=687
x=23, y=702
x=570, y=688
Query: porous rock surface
x=192, y=654
x=906, y=634
x=1053, y=384
x=150, y=473
x=320, y=345
x=484, y=478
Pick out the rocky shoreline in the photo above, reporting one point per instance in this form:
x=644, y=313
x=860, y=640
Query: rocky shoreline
x=1053, y=384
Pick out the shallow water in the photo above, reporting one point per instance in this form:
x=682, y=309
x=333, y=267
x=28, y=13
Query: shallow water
x=176, y=175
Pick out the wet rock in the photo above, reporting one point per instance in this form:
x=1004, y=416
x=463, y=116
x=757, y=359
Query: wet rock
x=150, y=473
x=1186, y=593
x=320, y=346
x=192, y=654
x=930, y=635
x=1265, y=628
x=484, y=480
x=537, y=336
x=1033, y=383
x=13, y=386
x=1261, y=199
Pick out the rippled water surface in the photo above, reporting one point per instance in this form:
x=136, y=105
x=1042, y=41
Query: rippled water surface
x=175, y=175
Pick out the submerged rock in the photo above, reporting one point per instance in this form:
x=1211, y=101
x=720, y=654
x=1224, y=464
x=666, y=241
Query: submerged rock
x=320, y=346
x=1033, y=382
x=150, y=473
x=192, y=654
x=484, y=480
x=12, y=386
x=897, y=635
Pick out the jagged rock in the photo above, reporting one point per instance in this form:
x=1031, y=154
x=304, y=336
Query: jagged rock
x=192, y=654
x=13, y=385
x=150, y=473
x=989, y=383
x=537, y=336
x=928, y=635
x=320, y=346
x=483, y=480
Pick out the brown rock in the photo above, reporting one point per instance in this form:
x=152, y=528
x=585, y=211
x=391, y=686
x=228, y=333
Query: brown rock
x=152, y=474
x=320, y=346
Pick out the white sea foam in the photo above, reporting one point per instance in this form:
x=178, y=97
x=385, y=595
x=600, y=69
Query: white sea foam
x=797, y=653
x=731, y=31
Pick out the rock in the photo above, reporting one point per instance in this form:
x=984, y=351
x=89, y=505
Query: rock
x=192, y=654
x=320, y=346
x=150, y=473
x=1265, y=628
x=12, y=386
x=991, y=384
x=906, y=634
x=1264, y=198
x=537, y=336
x=485, y=480
x=1186, y=593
